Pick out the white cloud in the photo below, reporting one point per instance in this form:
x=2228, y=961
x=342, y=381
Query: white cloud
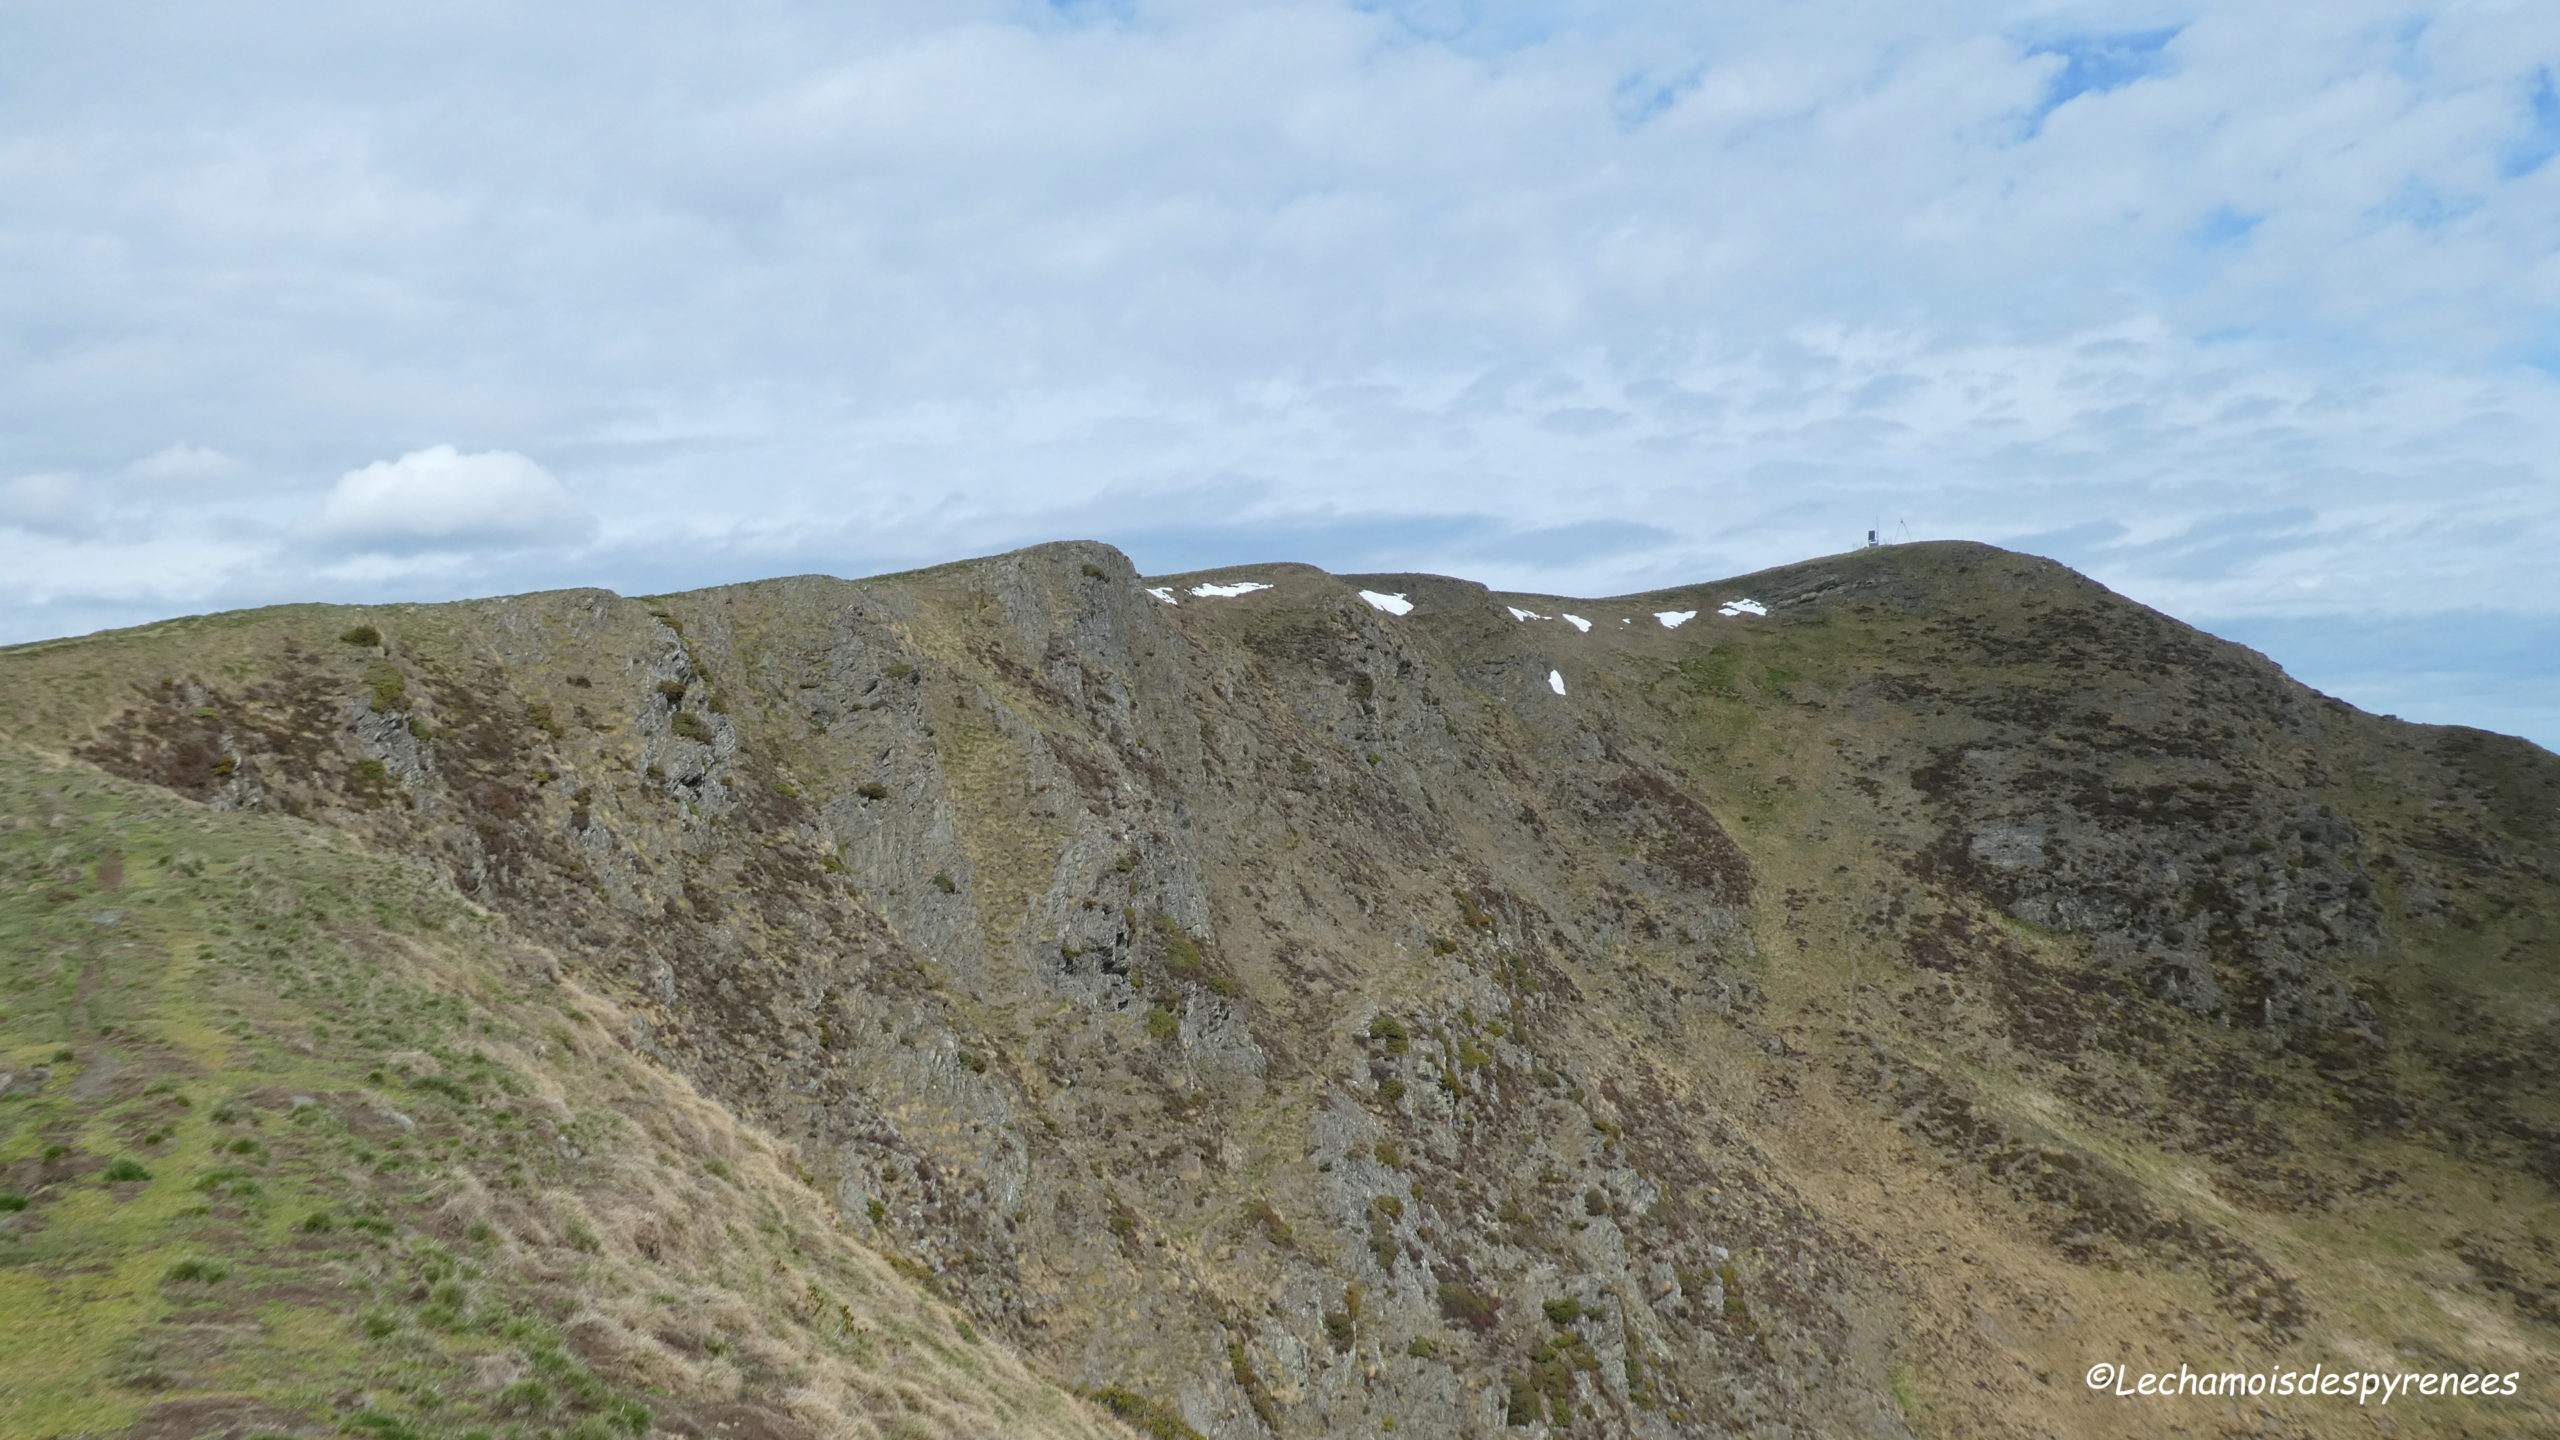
x=47, y=504
x=182, y=462
x=442, y=499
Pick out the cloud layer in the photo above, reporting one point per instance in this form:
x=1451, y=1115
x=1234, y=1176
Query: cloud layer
x=2253, y=310
x=441, y=499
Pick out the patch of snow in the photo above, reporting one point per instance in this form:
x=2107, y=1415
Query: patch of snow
x=1392, y=604
x=1555, y=681
x=1163, y=593
x=1743, y=607
x=1229, y=592
x=1578, y=623
x=1674, y=619
x=1519, y=614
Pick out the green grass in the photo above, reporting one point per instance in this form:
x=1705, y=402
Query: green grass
x=220, y=955
x=216, y=1147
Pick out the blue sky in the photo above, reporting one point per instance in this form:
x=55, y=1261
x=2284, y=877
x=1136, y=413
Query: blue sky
x=2250, y=310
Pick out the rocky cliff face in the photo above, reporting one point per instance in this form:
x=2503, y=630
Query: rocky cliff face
x=1850, y=1019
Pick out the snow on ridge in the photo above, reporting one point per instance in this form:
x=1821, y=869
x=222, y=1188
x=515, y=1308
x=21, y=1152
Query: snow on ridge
x=1163, y=593
x=1519, y=614
x=1743, y=607
x=1229, y=592
x=1578, y=623
x=1674, y=619
x=1392, y=604
x=1555, y=681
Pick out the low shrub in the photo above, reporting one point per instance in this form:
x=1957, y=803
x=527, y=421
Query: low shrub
x=1274, y=1229
x=227, y=1180
x=444, y=1085
x=1474, y=915
x=1391, y=1030
x=1181, y=953
x=1249, y=1380
x=1147, y=1417
x=123, y=1170
x=380, y=1426
x=529, y=1397
x=364, y=635
x=1463, y=1305
x=390, y=688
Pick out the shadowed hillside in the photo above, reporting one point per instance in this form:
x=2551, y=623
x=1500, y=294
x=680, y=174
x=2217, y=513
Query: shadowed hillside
x=1855, y=1013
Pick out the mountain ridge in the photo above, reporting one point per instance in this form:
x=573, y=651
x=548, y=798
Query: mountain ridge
x=1302, y=1015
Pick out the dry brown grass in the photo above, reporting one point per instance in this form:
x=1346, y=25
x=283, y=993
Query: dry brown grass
x=690, y=1277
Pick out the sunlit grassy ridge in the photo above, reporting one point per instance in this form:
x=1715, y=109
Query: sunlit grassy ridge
x=296, y=1141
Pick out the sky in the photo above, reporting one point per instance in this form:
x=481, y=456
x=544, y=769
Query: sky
x=2249, y=310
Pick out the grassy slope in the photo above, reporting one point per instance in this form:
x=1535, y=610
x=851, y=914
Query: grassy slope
x=396, y=1179
x=2371, y=1189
